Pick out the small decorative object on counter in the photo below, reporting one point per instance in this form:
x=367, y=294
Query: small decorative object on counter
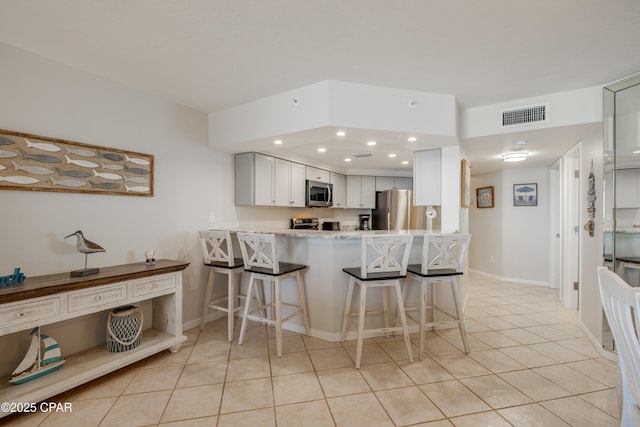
x=430, y=213
x=42, y=358
x=124, y=327
x=12, y=279
x=86, y=247
x=150, y=255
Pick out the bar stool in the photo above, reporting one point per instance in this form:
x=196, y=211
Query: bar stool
x=260, y=255
x=383, y=264
x=217, y=250
x=442, y=261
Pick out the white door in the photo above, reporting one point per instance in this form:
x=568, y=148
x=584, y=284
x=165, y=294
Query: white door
x=570, y=234
x=555, y=258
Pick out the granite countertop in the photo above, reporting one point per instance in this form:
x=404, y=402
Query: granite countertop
x=326, y=234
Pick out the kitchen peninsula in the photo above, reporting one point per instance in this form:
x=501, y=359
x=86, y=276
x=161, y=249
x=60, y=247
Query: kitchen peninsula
x=327, y=253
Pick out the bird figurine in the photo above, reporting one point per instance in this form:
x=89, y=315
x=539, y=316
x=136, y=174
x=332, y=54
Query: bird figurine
x=86, y=247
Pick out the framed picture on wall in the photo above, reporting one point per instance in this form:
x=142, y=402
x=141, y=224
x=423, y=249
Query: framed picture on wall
x=484, y=197
x=525, y=194
x=465, y=193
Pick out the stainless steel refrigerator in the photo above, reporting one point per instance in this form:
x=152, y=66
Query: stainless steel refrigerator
x=395, y=211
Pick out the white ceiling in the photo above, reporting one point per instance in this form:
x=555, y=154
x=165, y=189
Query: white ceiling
x=213, y=54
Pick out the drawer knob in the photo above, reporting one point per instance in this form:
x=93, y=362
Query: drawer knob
x=155, y=285
x=20, y=315
x=98, y=297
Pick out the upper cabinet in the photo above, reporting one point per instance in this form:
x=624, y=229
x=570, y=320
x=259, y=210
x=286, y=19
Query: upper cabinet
x=267, y=181
x=289, y=183
x=361, y=192
x=390, y=182
x=339, y=182
x=316, y=174
x=427, y=177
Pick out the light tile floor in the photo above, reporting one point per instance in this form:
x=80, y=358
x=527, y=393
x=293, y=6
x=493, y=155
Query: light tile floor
x=530, y=364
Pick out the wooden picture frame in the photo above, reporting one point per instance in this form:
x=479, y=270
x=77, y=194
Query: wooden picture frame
x=484, y=197
x=39, y=163
x=465, y=187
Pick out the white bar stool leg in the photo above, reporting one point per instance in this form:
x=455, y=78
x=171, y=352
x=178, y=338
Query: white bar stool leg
x=361, y=316
x=347, y=310
x=403, y=320
x=303, y=302
x=423, y=313
x=231, y=291
x=278, y=314
x=247, y=305
x=207, y=297
x=456, y=303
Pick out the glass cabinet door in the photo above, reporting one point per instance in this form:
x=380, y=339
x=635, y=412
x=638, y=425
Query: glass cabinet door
x=622, y=183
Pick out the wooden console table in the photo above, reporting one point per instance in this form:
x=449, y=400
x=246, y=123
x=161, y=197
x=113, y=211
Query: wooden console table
x=44, y=300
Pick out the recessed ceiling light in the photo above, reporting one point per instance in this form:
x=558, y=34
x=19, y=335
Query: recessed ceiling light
x=347, y=159
x=412, y=139
x=321, y=150
x=392, y=155
x=371, y=143
x=636, y=152
x=341, y=133
x=277, y=142
x=515, y=157
x=405, y=162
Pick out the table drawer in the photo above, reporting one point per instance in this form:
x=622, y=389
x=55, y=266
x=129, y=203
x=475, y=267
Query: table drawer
x=30, y=311
x=96, y=297
x=153, y=284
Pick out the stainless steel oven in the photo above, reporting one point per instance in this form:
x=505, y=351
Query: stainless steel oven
x=319, y=194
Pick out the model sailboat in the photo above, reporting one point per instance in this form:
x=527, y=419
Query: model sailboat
x=43, y=357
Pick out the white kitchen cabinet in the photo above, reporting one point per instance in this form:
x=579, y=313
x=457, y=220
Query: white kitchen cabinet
x=56, y=298
x=427, y=177
x=317, y=174
x=384, y=183
x=263, y=180
x=361, y=192
x=288, y=183
x=389, y=182
x=403, y=183
x=339, y=182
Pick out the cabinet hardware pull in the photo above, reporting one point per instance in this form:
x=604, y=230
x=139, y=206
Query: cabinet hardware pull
x=98, y=297
x=155, y=285
x=21, y=314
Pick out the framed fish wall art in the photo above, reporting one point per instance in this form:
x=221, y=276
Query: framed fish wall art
x=38, y=163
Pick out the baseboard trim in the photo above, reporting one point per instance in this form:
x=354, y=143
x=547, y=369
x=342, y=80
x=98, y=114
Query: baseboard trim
x=509, y=279
x=597, y=344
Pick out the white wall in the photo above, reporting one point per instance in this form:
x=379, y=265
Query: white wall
x=503, y=236
x=45, y=98
x=485, y=226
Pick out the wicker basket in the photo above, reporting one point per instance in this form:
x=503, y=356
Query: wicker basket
x=124, y=327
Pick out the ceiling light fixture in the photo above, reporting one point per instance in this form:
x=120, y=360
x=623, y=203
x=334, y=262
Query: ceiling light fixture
x=347, y=159
x=405, y=162
x=371, y=143
x=515, y=157
x=277, y=142
x=321, y=150
x=412, y=139
x=392, y=155
x=341, y=133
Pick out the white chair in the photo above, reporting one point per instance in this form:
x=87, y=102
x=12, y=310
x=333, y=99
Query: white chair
x=217, y=251
x=383, y=264
x=260, y=255
x=442, y=262
x=621, y=304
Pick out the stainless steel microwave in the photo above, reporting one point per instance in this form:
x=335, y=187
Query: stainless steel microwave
x=319, y=194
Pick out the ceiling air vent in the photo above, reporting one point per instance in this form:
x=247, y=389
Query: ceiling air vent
x=524, y=115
